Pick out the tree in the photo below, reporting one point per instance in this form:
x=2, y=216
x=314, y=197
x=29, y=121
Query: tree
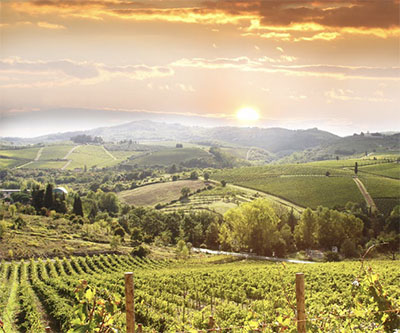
x=206, y=176
x=251, y=226
x=194, y=175
x=77, y=208
x=37, y=198
x=179, y=145
x=223, y=183
x=136, y=236
x=305, y=230
x=48, y=197
x=185, y=192
x=356, y=168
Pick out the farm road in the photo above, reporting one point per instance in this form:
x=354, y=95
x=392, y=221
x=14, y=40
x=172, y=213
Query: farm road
x=109, y=154
x=35, y=159
x=70, y=152
x=251, y=256
x=66, y=157
x=39, y=153
x=365, y=194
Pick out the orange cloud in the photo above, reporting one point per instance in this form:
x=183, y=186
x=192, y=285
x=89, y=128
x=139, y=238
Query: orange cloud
x=47, y=25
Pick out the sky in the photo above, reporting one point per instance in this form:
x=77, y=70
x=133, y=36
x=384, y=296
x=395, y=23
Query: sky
x=78, y=64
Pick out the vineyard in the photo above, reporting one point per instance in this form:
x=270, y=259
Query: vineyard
x=181, y=296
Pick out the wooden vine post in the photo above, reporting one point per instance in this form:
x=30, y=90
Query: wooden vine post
x=130, y=306
x=300, y=300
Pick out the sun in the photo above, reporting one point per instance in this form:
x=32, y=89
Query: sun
x=247, y=114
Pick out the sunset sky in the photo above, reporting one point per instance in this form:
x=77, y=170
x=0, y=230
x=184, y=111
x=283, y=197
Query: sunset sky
x=301, y=64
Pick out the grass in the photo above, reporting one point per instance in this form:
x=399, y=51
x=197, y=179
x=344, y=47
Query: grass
x=391, y=170
x=91, y=156
x=170, y=156
x=158, y=193
x=46, y=165
x=170, y=144
x=304, y=185
x=380, y=187
x=8, y=163
x=24, y=153
x=55, y=152
x=123, y=155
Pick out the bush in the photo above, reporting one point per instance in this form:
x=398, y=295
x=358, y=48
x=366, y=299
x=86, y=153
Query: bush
x=332, y=256
x=140, y=251
x=3, y=228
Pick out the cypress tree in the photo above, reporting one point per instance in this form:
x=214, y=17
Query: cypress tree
x=48, y=197
x=356, y=168
x=78, y=206
x=37, y=198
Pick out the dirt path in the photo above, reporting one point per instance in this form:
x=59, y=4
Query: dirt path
x=366, y=195
x=247, y=155
x=109, y=154
x=66, y=165
x=67, y=156
x=23, y=165
x=39, y=153
x=70, y=152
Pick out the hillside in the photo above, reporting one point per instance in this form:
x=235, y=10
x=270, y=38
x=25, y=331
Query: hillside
x=348, y=146
x=308, y=185
x=276, y=140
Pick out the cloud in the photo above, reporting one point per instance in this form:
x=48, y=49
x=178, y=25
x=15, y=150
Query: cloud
x=349, y=95
x=289, y=20
x=47, y=25
x=64, y=72
x=271, y=65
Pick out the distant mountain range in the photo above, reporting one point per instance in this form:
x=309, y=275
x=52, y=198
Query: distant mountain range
x=313, y=143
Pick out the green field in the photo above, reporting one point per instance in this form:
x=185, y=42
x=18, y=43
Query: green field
x=91, y=156
x=380, y=187
x=151, y=195
x=45, y=165
x=305, y=185
x=24, y=153
x=173, y=296
x=55, y=152
x=8, y=163
x=170, y=156
x=391, y=170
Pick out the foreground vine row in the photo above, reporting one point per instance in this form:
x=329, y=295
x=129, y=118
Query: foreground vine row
x=180, y=296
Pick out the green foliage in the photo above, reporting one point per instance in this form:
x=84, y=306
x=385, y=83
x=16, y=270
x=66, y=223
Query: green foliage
x=3, y=228
x=93, y=313
x=250, y=227
x=194, y=175
x=77, y=208
x=185, y=191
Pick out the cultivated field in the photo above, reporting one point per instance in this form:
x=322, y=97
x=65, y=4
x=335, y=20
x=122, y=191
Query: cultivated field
x=170, y=156
x=153, y=194
x=307, y=184
x=175, y=296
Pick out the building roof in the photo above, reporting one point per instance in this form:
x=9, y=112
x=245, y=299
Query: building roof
x=60, y=189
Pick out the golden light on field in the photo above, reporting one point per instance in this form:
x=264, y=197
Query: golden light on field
x=247, y=114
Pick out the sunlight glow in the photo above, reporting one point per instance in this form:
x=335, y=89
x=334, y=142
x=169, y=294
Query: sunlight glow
x=247, y=114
